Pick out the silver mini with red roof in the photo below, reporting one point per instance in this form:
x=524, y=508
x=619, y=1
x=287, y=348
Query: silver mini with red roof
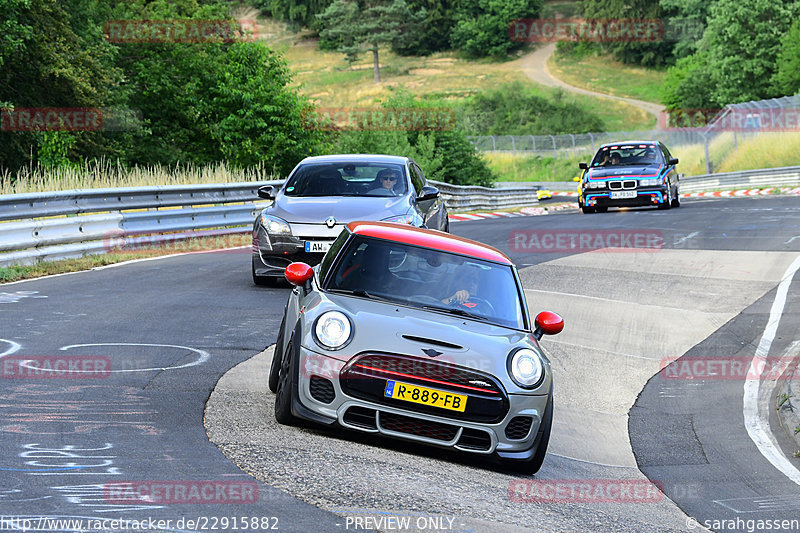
x=417, y=335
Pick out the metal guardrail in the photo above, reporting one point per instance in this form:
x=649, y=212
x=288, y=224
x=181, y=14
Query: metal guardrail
x=101, y=220
x=750, y=179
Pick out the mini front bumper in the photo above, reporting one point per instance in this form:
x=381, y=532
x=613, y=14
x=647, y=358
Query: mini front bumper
x=362, y=415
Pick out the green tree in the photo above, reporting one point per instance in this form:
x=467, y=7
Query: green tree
x=688, y=84
x=360, y=28
x=632, y=51
x=685, y=23
x=482, y=25
x=445, y=155
x=296, y=12
x=786, y=79
x=742, y=41
x=433, y=33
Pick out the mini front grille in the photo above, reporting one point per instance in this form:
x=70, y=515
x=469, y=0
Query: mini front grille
x=400, y=366
x=361, y=417
x=474, y=439
x=519, y=427
x=416, y=426
x=322, y=389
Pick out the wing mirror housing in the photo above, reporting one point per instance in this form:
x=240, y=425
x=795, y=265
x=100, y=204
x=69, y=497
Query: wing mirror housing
x=428, y=192
x=266, y=192
x=299, y=275
x=673, y=161
x=547, y=323
x=583, y=166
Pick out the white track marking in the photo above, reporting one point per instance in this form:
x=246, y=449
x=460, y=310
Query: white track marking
x=13, y=347
x=686, y=238
x=203, y=355
x=757, y=422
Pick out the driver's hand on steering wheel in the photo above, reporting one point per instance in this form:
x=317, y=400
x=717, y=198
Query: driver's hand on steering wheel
x=458, y=298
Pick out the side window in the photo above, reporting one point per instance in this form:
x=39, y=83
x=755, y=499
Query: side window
x=417, y=177
x=667, y=155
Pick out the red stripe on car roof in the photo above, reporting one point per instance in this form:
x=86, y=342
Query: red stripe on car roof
x=435, y=240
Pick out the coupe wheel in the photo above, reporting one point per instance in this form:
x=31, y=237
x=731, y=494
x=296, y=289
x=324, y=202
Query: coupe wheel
x=676, y=202
x=285, y=389
x=667, y=203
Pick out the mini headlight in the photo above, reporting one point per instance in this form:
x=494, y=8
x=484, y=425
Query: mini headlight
x=526, y=368
x=275, y=225
x=332, y=330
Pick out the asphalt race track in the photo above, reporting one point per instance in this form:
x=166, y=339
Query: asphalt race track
x=169, y=329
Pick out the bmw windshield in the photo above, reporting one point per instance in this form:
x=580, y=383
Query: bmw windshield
x=429, y=279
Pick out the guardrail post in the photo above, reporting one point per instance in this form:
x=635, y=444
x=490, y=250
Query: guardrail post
x=705, y=149
x=591, y=139
x=513, y=145
x=533, y=142
x=494, y=143
x=555, y=152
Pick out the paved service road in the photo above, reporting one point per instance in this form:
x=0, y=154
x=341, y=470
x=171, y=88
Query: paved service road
x=627, y=314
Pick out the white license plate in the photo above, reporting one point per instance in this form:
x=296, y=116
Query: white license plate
x=318, y=246
x=616, y=195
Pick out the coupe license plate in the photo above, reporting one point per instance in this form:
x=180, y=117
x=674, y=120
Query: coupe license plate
x=425, y=396
x=616, y=195
x=318, y=246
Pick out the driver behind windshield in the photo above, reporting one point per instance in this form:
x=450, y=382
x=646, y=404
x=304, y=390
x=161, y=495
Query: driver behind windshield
x=465, y=288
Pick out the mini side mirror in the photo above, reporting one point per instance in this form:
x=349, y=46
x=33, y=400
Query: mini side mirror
x=547, y=323
x=298, y=274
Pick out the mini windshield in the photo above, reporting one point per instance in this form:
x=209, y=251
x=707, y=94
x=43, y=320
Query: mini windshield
x=628, y=154
x=348, y=179
x=429, y=279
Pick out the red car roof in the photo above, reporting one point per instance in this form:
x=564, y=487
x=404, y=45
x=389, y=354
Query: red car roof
x=435, y=240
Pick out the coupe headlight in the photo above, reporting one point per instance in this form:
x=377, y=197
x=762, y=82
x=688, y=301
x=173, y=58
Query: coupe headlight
x=332, y=330
x=401, y=219
x=648, y=183
x=526, y=368
x=275, y=225
x=595, y=184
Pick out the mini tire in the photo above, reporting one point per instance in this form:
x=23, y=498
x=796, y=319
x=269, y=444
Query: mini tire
x=277, y=355
x=534, y=464
x=284, y=395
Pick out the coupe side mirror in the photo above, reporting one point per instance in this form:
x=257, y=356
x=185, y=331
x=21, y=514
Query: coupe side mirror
x=583, y=166
x=547, y=323
x=673, y=161
x=267, y=192
x=428, y=192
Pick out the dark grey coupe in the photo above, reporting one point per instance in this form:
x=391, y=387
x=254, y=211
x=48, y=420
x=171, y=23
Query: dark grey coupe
x=322, y=194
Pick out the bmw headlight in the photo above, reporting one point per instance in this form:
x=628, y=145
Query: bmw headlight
x=275, y=225
x=332, y=330
x=526, y=368
x=595, y=184
x=648, y=183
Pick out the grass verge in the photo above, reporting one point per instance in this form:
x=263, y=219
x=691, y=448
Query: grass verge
x=520, y=167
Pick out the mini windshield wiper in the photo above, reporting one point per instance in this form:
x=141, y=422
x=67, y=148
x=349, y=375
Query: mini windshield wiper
x=362, y=293
x=457, y=311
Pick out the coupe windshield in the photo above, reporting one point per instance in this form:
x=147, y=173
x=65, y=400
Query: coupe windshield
x=628, y=154
x=429, y=279
x=347, y=179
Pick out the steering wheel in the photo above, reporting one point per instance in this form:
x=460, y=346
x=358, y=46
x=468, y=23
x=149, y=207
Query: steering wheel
x=481, y=304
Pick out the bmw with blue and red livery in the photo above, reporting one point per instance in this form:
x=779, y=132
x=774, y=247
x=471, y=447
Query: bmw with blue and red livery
x=629, y=174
